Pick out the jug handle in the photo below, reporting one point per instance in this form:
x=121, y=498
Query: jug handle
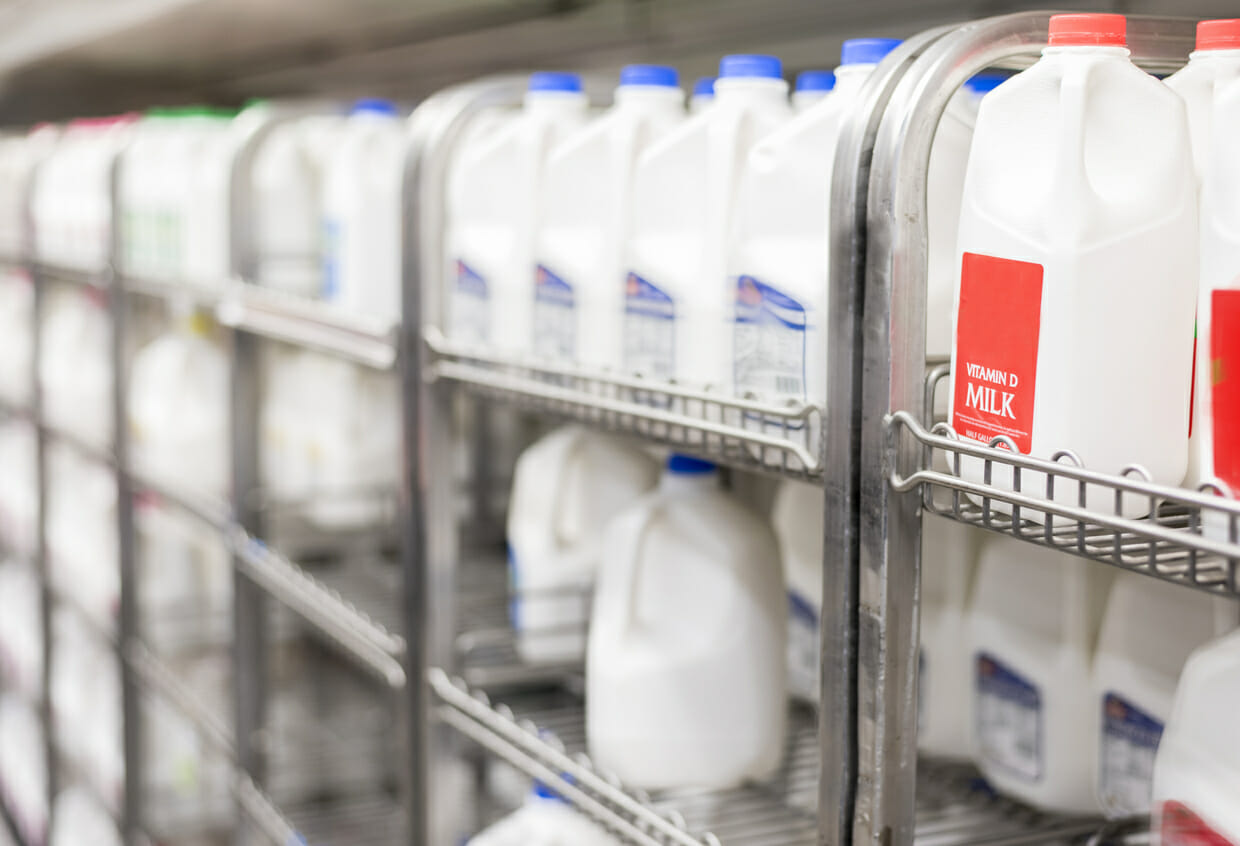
x=632, y=568
x=574, y=448
x=1070, y=174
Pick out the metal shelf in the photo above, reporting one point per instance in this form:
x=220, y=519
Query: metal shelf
x=352, y=821
x=96, y=279
x=771, y=438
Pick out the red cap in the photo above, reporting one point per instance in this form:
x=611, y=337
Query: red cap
x=1218, y=35
x=1088, y=30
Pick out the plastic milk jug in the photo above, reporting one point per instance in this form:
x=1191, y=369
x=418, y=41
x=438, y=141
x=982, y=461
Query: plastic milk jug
x=362, y=213
x=703, y=94
x=685, y=668
x=812, y=87
x=1197, y=770
x=79, y=818
x=1210, y=87
x=287, y=189
x=678, y=303
x=1078, y=259
x=208, y=214
x=544, y=820
x=566, y=487
x=1148, y=632
x=797, y=516
x=1033, y=628
x=494, y=203
x=579, y=281
x=75, y=365
x=780, y=258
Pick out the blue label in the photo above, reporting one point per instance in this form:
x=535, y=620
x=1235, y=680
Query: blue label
x=1130, y=740
x=800, y=609
x=770, y=343
x=555, y=322
x=1125, y=721
x=331, y=259
x=1009, y=719
x=649, y=329
x=647, y=300
x=514, y=590
x=470, y=282
x=757, y=302
x=551, y=289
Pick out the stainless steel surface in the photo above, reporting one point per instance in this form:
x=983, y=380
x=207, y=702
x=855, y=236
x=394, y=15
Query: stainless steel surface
x=893, y=341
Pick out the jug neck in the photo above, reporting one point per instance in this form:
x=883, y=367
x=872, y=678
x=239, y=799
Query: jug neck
x=849, y=78
x=1212, y=57
x=1086, y=51
x=680, y=484
x=556, y=103
x=751, y=89
x=649, y=98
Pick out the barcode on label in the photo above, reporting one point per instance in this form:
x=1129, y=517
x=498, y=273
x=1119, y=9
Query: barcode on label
x=788, y=384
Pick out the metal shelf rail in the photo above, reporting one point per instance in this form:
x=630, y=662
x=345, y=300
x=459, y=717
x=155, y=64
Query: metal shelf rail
x=909, y=465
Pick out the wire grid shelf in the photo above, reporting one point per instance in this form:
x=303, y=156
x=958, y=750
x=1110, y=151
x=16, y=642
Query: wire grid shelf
x=1179, y=535
x=779, y=439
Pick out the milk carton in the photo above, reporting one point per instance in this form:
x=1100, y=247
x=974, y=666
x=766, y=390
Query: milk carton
x=780, y=235
x=579, y=282
x=812, y=87
x=1149, y=630
x=494, y=202
x=566, y=488
x=1210, y=87
x=797, y=517
x=678, y=303
x=703, y=94
x=685, y=669
x=1075, y=306
x=1033, y=629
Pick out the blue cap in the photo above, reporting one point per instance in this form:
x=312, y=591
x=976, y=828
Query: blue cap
x=688, y=465
x=542, y=791
x=815, y=80
x=766, y=67
x=374, y=106
x=704, y=87
x=661, y=75
x=866, y=51
x=554, y=81
x=986, y=81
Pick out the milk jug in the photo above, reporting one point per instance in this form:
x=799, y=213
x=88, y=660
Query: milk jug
x=685, y=670
x=579, y=281
x=75, y=365
x=207, y=214
x=780, y=255
x=1148, y=632
x=23, y=766
x=945, y=664
x=1078, y=259
x=362, y=213
x=703, y=94
x=566, y=487
x=1033, y=628
x=812, y=87
x=797, y=516
x=79, y=818
x=544, y=820
x=16, y=337
x=21, y=632
x=1197, y=770
x=678, y=304
x=1211, y=91
x=495, y=199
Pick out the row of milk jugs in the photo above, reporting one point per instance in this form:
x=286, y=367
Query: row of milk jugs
x=691, y=247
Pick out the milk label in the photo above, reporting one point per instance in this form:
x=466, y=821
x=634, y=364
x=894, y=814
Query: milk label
x=471, y=305
x=555, y=320
x=996, y=361
x=649, y=329
x=803, y=646
x=1008, y=719
x=1225, y=384
x=769, y=339
x=331, y=259
x=1126, y=766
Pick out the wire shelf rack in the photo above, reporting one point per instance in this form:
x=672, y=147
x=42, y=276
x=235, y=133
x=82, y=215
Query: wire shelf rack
x=784, y=440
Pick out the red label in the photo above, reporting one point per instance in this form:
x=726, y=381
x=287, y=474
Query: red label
x=996, y=364
x=1225, y=383
x=1182, y=827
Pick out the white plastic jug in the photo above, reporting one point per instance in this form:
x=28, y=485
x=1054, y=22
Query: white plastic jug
x=495, y=200
x=797, y=516
x=812, y=87
x=579, y=283
x=679, y=303
x=1033, y=630
x=685, y=668
x=23, y=767
x=75, y=367
x=19, y=154
x=544, y=820
x=777, y=268
x=207, y=212
x=1078, y=257
x=1197, y=770
x=946, y=664
x=21, y=634
x=16, y=337
x=566, y=488
x=78, y=818
x=362, y=213
x=1210, y=86
x=703, y=94
x=1149, y=630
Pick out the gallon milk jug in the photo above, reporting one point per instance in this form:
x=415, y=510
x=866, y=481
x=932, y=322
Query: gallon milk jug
x=362, y=213
x=1197, y=770
x=703, y=94
x=579, y=282
x=797, y=516
x=1078, y=258
x=495, y=187
x=78, y=818
x=23, y=762
x=685, y=670
x=945, y=665
x=1210, y=87
x=566, y=488
x=1033, y=629
x=75, y=366
x=1148, y=632
x=678, y=303
x=207, y=214
x=16, y=337
x=544, y=820
x=21, y=631
x=780, y=254
x=812, y=87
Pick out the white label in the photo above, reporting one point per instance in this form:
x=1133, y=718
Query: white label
x=803, y=647
x=555, y=316
x=1009, y=719
x=1129, y=742
x=471, y=306
x=769, y=336
x=649, y=329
